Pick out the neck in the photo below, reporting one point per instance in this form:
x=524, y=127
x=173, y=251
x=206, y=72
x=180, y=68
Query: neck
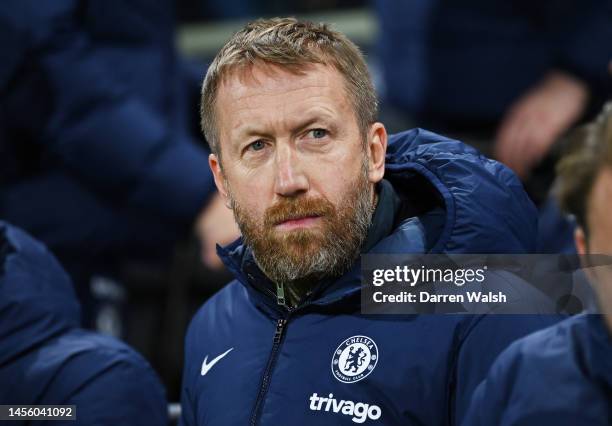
x=293, y=293
x=297, y=291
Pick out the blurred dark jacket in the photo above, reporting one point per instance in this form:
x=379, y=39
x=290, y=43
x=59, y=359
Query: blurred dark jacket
x=560, y=376
x=96, y=120
x=461, y=63
x=46, y=359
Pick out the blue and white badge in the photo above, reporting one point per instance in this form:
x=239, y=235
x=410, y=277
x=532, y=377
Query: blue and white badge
x=354, y=359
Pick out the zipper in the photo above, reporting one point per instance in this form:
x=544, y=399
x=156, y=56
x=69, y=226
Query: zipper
x=280, y=295
x=279, y=333
x=265, y=382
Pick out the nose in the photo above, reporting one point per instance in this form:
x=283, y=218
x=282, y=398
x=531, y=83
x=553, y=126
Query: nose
x=290, y=180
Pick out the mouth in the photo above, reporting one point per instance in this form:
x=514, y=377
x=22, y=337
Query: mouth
x=300, y=222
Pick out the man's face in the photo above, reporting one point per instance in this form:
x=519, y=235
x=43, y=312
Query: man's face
x=599, y=220
x=295, y=169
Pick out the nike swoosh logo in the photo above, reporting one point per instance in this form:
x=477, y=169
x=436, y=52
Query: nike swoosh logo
x=206, y=366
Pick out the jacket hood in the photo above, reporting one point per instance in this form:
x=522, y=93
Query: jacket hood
x=486, y=207
x=460, y=202
x=37, y=301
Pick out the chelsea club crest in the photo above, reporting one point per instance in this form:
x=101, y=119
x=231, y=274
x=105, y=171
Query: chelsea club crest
x=354, y=359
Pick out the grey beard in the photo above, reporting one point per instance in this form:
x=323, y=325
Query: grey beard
x=338, y=250
x=335, y=257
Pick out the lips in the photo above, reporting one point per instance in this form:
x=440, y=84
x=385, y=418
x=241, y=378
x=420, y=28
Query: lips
x=297, y=218
x=298, y=222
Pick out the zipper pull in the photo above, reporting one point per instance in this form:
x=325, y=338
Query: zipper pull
x=280, y=294
x=278, y=334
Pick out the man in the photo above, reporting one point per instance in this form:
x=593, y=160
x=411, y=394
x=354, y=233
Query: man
x=299, y=157
x=563, y=375
x=105, y=165
x=47, y=359
x=511, y=77
x=519, y=73
x=106, y=140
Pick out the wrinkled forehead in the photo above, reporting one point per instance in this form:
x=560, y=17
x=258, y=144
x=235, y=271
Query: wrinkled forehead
x=252, y=72
x=270, y=91
x=261, y=75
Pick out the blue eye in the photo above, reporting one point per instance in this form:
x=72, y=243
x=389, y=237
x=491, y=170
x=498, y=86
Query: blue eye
x=257, y=145
x=318, y=133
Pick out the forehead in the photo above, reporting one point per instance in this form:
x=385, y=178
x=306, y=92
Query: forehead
x=264, y=89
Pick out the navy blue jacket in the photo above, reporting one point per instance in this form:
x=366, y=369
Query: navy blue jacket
x=45, y=358
x=95, y=114
x=280, y=363
x=463, y=63
x=559, y=376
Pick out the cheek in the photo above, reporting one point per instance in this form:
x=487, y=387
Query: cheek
x=335, y=187
x=250, y=202
x=599, y=244
x=251, y=196
x=603, y=288
x=604, y=294
x=337, y=171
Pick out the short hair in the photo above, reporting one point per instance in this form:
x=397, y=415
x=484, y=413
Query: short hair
x=589, y=150
x=292, y=45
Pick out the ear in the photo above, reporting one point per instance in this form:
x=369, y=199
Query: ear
x=580, y=240
x=217, y=171
x=377, y=149
x=581, y=246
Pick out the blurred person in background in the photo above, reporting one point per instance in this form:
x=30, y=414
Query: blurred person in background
x=517, y=73
x=510, y=77
x=99, y=153
x=563, y=375
x=313, y=180
x=47, y=359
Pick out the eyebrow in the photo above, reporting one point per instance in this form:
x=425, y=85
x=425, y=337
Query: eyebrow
x=298, y=128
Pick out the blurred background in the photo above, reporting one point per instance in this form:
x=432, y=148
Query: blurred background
x=101, y=156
